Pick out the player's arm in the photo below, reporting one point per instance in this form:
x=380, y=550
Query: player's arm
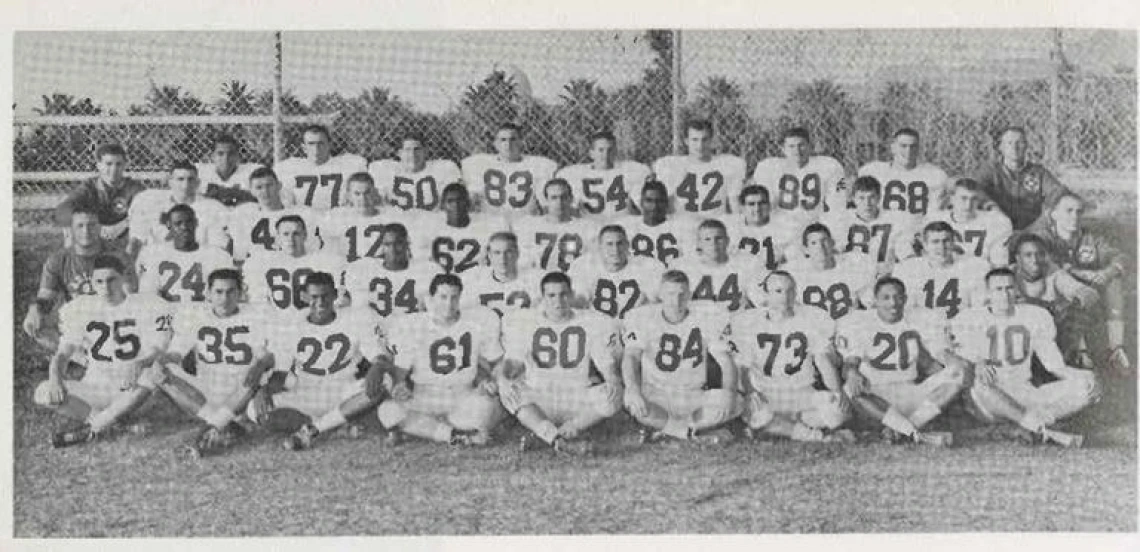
x=489, y=365
x=721, y=351
x=51, y=282
x=62, y=355
x=825, y=358
x=1073, y=289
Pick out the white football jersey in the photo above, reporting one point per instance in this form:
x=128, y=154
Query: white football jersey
x=883, y=238
x=803, y=192
x=389, y=291
x=178, y=276
x=226, y=344
x=445, y=355
x=837, y=291
x=413, y=191
x=351, y=235
x=985, y=237
x=503, y=187
x=1007, y=342
x=482, y=288
x=278, y=279
x=146, y=211
x=721, y=283
x=560, y=353
x=676, y=355
x=553, y=245
x=891, y=351
x=666, y=242
x=702, y=186
x=456, y=249
x=780, y=354
x=605, y=194
x=114, y=334
x=913, y=192
x=254, y=228
x=208, y=174
x=615, y=293
x=320, y=187
x=333, y=351
x=948, y=290
x=767, y=243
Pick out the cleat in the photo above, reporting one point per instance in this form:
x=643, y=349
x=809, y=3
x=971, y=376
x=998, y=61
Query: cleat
x=350, y=431
x=302, y=439
x=259, y=408
x=891, y=436
x=137, y=428
x=934, y=438
x=577, y=447
x=74, y=436
x=237, y=428
x=193, y=446
x=751, y=434
x=1023, y=436
x=840, y=436
x=646, y=436
x=393, y=438
x=716, y=437
x=1067, y=440
x=528, y=442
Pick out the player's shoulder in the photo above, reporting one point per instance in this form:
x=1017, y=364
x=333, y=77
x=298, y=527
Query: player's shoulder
x=215, y=255
x=250, y=209
x=668, y=162
x=149, y=199
x=939, y=215
x=630, y=166
x=931, y=168
x=911, y=266
x=441, y=166
x=773, y=163
x=813, y=318
x=382, y=166
x=729, y=161
x=860, y=320
x=642, y=315
x=350, y=160
x=573, y=171
x=973, y=265
x=291, y=164
x=855, y=261
x=477, y=159
x=80, y=306
x=481, y=316
x=646, y=264
x=520, y=320
x=925, y=319
x=873, y=168
x=594, y=321
x=1033, y=314
x=747, y=318
x=708, y=311
x=541, y=162
x=825, y=162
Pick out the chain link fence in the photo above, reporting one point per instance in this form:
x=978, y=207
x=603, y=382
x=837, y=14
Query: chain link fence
x=165, y=95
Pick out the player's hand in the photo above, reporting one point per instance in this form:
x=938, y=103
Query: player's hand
x=1119, y=362
x=401, y=392
x=985, y=373
x=856, y=384
x=635, y=403
x=55, y=392
x=490, y=387
x=131, y=378
x=33, y=321
x=374, y=382
x=510, y=392
x=253, y=377
x=1099, y=278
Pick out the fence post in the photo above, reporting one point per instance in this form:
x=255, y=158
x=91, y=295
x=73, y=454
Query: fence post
x=278, y=124
x=1053, y=146
x=678, y=92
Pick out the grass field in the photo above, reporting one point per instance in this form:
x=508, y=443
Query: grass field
x=136, y=486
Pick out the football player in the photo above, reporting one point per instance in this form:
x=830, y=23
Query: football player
x=444, y=364
x=1000, y=339
x=393, y=282
x=316, y=359
x=982, y=234
x=111, y=193
x=835, y=283
x=225, y=177
x=455, y=238
x=553, y=240
x=253, y=225
x=756, y=233
x=610, y=280
x=550, y=351
x=176, y=270
x=215, y=361
x=900, y=371
x=353, y=230
x=910, y=187
x=505, y=182
x=317, y=179
x=714, y=274
x=1069, y=301
x=605, y=188
x=278, y=277
x=657, y=233
x=501, y=284
x=122, y=335
x=782, y=352
x=805, y=185
x=1023, y=190
x=413, y=183
x=885, y=235
x=670, y=350
x=148, y=208
x=701, y=182
x=948, y=282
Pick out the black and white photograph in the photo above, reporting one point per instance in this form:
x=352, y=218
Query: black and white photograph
x=278, y=283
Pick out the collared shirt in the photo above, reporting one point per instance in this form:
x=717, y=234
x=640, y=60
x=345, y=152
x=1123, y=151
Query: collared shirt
x=1085, y=250
x=112, y=203
x=1023, y=195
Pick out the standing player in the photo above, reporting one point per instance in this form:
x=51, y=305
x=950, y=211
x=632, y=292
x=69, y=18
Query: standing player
x=835, y=284
x=278, y=277
x=670, y=350
x=392, y=282
x=605, y=188
x=901, y=372
x=455, y=238
x=122, y=335
x=444, y=370
x=885, y=235
x=554, y=347
x=1023, y=190
x=176, y=271
x=316, y=357
x=353, y=230
x=505, y=183
x=715, y=275
x=216, y=359
x=225, y=177
x=783, y=351
x=111, y=193
x=501, y=285
x=756, y=233
x=983, y=234
x=1070, y=302
x=553, y=240
x=656, y=233
x=253, y=225
x=1001, y=339
x=611, y=281
x=148, y=208
x=948, y=282
x=317, y=179
x=805, y=185
x=910, y=187
x=413, y=183
x=701, y=182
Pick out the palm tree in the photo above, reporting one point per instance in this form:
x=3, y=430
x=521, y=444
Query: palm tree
x=237, y=99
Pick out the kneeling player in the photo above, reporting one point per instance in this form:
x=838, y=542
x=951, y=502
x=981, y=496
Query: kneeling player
x=122, y=334
x=320, y=354
x=554, y=347
x=1001, y=339
x=449, y=354
x=669, y=351
x=902, y=373
x=783, y=350
x=216, y=360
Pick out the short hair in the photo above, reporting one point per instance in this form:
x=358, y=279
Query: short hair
x=110, y=149
x=444, y=279
x=889, y=281
x=815, y=228
x=905, y=131
x=112, y=262
x=867, y=183
x=231, y=274
x=84, y=206
x=554, y=278
x=362, y=177
x=1022, y=239
x=455, y=188
x=602, y=135
x=938, y=226
x=168, y=215
x=754, y=189
x=999, y=271
x=509, y=237
x=262, y=172
x=183, y=165
x=1006, y=130
x=225, y=139
x=291, y=218
x=399, y=229
x=612, y=228
x=675, y=277
x=316, y=129
x=655, y=185
x=416, y=136
x=1067, y=194
x=778, y=272
x=712, y=223
x=968, y=183
x=556, y=182
x=507, y=125
x=320, y=279
x=795, y=132
x=703, y=125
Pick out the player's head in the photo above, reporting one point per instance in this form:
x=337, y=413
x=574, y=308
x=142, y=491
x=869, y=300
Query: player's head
x=503, y=252
x=866, y=193
x=225, y=286
x=317, y=143
x=362, y=191
x=966, y=197
x=795, y=143
x=412, y=151
x=603, y=148
x=183, y=179
x=1066, y=212
x=1001, y=289
x=1031, y=255
x=712, y=240
x=559, y=197
x=818, y=242
x=182, y=223
x=455, y=201
x=443, y=296
x=699, y=138
x=1011, y=145
x=264, y=186
x=674, y=291
x=107, y=273
x=755, y=204
x=779, y=290
x=508, y=141
x=111, y=162
x=904, y=147
x=320, y=290
x=613, y=244
x=226, y=153
x=938, y=240
x=394, y=245
x=890, y=298
x=291, y=235
x=654, y=201
x=557, y=295
x=86, y=231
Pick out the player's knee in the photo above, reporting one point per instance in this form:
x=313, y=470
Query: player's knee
x=42, y=396
x=391, y=413
x=977, y=399
x=723, y=401
x=956, y=373
x=757, y=412
x=606, y=399
x=477, y=411
x=831, y=410
x=152, y=377
x=1085, y=385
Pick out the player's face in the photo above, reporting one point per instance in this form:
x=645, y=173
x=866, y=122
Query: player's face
x=455, y=204
x=508, y=143
x=412, y=153
x=361, y=194
x=225, y=156
x=183, y=182
x=1067, y=214
x=394, y=248
x=316, y=146
x=558, y=200
x=1032, y=260
x=224, y=295
x=111, y=167
x=107, y=283
x=905, y=150
x=964, y=201
x=866, y=203
x=781, y=292
x=615, y=248
x=699, y=143
x=674, y=296
x=602, y=152
x=85, y=229
x=1001, y=292
x=757, y=210
x=1012, y=147
x=818, y=245
x=503, y=255
x=445, y=303
x=939, y=245
x=292, y=238
x=712, y=243
x=321, y=299
x=556, y=299
x=654, y=204
x=264, y=189
x=889, y=302
x=797, y=149
x=182, y=227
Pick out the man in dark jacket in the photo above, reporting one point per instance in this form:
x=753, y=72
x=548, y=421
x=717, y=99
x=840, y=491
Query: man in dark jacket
x=1021, y=189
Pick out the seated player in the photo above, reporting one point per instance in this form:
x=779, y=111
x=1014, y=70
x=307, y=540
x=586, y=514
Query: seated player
x=122, y=335
x=805, y=185
x=611, y=281
x=911, y=187
x=550, y=351
x=253, y=225
x=148, y=208
x=1070, y=302
x=277, y=277
x=835, y=283
x=176, y=271
x=455, y=238
x=656, y=233
x=393, y=282
x=782, y=351
x=714, y=274
x=670, y=350
x=1020, y=188
x=443, y=367
x=552, y=240
x=756, y=233
x=66, y=274
x=701, y=182
x=982, y=234
x=605, y=187
x=501, y=284
x=353, y=230
x=1001, y=339
x=1093, y=259
x=884, y=235
x=215, y=361
x=948, y=282
x=900, y=372
x=413, y=183
x=316, y=360
x=225, y=178
x=317, y=179
x=505, y=183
